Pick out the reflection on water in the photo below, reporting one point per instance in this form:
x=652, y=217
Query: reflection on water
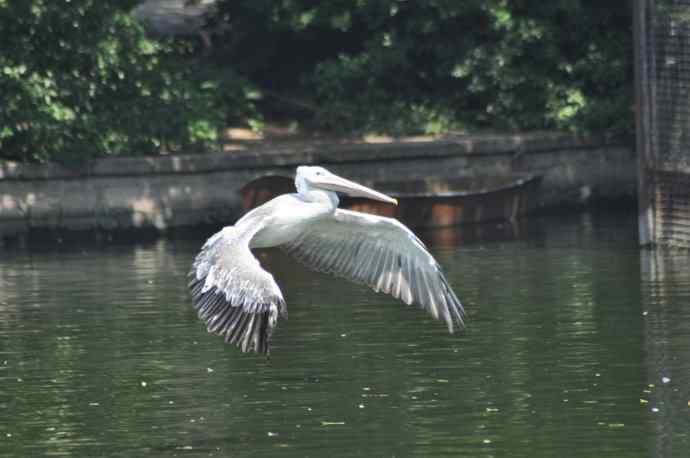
x=666, y=285
x=569, y=325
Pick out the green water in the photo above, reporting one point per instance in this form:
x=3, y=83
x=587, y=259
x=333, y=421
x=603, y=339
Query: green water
x=572, y=332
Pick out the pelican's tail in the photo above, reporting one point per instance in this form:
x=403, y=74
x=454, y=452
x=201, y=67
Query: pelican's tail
x=249, y=330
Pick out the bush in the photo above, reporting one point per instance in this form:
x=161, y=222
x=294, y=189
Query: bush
x=402, y=66
x=79, y=79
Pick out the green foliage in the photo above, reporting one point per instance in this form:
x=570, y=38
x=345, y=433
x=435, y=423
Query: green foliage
x=79, y=79
x=404, y=66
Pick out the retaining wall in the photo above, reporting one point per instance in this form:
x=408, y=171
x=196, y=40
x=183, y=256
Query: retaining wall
x=171, y=191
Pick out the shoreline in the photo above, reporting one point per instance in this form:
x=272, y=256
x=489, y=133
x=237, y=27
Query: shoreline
x=171, y=191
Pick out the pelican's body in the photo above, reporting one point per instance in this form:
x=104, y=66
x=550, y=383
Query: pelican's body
x=241, y=301
x=283, y=219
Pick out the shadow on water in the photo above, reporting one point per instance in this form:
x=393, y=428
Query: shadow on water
x=570, y=325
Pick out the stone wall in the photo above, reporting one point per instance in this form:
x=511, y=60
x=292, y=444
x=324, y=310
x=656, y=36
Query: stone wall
x=173, y=191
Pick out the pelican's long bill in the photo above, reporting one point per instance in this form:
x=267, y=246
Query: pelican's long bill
x=335, y=183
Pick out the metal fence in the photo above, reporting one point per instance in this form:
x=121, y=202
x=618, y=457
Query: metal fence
x=662, y=47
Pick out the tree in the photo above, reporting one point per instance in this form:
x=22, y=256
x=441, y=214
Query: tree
x=394, y=65
x=80, y=79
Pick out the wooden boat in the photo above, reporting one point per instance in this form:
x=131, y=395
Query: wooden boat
x=433, y=202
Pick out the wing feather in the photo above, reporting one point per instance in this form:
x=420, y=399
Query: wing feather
x=232, y=294
x=381, y=253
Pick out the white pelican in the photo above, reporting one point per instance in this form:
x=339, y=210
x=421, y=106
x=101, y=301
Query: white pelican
x=239, y=300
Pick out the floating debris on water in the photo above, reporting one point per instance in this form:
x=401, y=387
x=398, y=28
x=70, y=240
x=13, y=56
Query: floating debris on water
x=332, y=423
x=375, y=395
x=644, y=401
x=272, y=434
x=665, y=380
x=655, y=409
x=209, y=370
x=143, y=384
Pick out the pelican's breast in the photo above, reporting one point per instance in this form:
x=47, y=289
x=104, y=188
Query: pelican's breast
x=284, y=218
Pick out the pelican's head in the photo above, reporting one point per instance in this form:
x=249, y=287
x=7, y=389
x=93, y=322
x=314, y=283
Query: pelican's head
x=311, y=178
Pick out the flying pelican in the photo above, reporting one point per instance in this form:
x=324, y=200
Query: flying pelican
x=240, y=301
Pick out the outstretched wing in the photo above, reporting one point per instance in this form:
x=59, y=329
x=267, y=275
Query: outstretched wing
x=232, y=294
x=382, y=253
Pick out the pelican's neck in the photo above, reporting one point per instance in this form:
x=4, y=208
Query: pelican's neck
x=316, y=195
x=328, y=198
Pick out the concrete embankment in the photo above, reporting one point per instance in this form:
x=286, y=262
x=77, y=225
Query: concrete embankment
x=173, y=191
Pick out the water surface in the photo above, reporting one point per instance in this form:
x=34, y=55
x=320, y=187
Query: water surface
x=578, y=345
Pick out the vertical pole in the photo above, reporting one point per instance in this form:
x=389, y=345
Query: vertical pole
x=643, y=126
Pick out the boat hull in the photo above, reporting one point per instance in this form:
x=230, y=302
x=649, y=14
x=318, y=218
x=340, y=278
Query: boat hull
x=429, y=203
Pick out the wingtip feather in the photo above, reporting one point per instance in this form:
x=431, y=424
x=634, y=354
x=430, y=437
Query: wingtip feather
x=248, y=331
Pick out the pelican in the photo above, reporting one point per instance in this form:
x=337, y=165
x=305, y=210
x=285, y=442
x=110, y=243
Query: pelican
x=239, y=300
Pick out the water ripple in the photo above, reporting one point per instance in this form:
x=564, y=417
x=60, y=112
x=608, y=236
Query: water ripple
x=574, y=338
